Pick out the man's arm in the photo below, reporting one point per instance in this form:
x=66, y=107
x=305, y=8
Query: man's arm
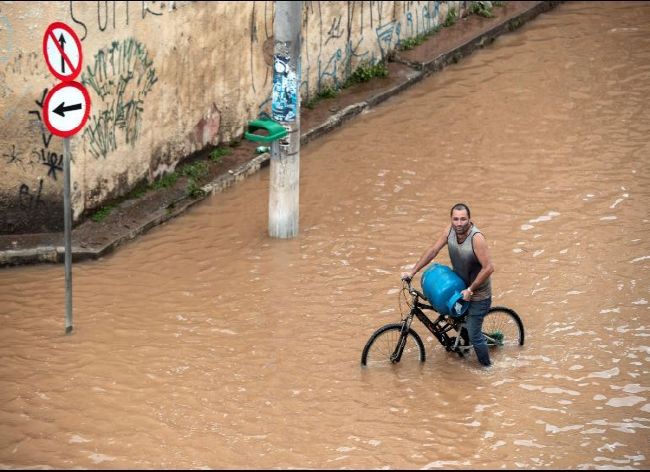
x=485, y=259
x=429, y=255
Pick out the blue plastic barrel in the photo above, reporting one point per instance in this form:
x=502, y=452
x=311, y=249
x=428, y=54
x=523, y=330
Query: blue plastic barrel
x=442, y=287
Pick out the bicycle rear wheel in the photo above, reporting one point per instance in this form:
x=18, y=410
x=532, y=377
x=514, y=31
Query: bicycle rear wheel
x=503, y=327
x=381, y=346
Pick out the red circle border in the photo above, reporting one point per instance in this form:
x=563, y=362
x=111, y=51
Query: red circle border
x=46, y=107
x=63, y=26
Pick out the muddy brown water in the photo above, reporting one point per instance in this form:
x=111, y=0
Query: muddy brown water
x=206, y=344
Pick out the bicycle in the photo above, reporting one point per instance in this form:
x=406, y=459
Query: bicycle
x=502, y=327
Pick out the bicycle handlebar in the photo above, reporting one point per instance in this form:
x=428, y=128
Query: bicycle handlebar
x=413, y=291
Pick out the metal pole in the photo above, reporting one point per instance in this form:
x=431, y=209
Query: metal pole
x=67, y=223
x=284, y=187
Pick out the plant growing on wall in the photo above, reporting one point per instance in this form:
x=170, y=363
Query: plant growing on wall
x=451, y=18
x=483, y=9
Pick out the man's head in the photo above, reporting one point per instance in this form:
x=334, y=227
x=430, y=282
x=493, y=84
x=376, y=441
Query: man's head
x=460, y=218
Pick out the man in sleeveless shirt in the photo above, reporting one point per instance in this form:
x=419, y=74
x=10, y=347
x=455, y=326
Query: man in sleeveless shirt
x=471, y=260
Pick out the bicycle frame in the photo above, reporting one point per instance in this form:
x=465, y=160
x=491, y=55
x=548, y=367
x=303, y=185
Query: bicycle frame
x=439, y=328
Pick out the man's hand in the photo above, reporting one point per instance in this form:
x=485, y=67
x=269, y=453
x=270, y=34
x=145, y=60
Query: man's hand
x=467, y=295
x=407, y=277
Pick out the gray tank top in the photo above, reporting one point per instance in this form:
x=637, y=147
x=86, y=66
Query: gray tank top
x=466, y=264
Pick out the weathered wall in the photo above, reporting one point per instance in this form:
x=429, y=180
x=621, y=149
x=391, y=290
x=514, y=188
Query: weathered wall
x=166, y=79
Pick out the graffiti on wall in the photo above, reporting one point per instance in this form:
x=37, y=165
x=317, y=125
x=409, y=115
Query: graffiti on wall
x=121, y=76
x=5, y=38
x=343, y=45
x=30, y=200
x=112, y=15
x=44, y=156
x=40, y=158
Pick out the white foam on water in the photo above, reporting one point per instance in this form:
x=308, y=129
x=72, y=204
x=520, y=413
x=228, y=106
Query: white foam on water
x=224, y=331
x=611, y=310
x=528, y=443
x=606, y=374
x=444, y=464
x=631, y=388
x=548, y=217
x=99, y=458
x=556, y=429
x=639, y=259
x=625, y=401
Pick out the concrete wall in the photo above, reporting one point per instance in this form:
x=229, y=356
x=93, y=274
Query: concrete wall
x=166, y=79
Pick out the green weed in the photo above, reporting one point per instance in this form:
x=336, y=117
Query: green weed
x=410, y=43
x=102, y=213
x=451, y=18
x=366, y=72
x=514, y=24
x=138, y=192
x=194, y=173
x=326, y=92
x=194, y=190
x=216, y=155
x=483, y=9
x=167, y=181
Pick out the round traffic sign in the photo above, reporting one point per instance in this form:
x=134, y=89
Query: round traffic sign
x=62, y=51
x=66, y=109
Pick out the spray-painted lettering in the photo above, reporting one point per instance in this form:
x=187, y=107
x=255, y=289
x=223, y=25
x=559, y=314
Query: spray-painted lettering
x=121, y=76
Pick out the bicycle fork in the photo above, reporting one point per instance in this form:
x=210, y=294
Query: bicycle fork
x=396, y=356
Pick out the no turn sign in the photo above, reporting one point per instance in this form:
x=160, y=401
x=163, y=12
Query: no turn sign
x=62, y=51
x=66, y=109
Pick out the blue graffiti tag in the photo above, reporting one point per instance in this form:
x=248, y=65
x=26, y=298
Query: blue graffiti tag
x=5, y=48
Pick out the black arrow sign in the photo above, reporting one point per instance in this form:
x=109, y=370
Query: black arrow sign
x=62, y=43
x=61, y=109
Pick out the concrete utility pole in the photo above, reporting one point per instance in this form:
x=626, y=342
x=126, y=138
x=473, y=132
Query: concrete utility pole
x=285, y=154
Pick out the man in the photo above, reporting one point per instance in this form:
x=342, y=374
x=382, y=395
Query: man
x=470, y=259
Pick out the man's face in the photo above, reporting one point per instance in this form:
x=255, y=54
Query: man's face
x=460, y=221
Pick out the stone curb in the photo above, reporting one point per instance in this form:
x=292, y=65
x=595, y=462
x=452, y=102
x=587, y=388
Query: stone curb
x=507, y=25
x=421, y=70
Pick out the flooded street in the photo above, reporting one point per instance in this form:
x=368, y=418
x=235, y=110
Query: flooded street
x=207, y=344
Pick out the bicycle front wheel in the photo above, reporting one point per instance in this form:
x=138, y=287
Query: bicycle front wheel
x=381, y=347
x=503, y=327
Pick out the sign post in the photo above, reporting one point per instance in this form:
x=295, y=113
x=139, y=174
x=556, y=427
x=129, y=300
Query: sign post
x=65, y=112
x=67, y=228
